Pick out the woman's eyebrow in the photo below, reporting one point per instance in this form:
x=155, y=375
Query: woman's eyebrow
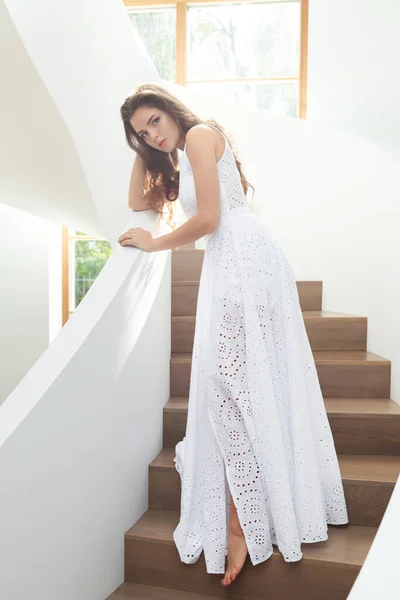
x=139, y=132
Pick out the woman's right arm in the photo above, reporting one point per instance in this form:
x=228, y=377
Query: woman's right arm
x=137, y=200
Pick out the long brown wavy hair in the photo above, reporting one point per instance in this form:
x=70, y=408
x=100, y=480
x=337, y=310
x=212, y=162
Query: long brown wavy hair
x=161, y=185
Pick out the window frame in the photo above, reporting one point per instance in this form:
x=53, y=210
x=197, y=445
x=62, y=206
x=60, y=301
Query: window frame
x=67, y=237
x=181, y=38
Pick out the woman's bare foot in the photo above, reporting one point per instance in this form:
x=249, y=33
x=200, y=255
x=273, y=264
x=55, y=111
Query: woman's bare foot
x=237, y=549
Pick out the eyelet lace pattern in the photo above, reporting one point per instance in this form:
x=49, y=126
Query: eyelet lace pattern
x=257, y=425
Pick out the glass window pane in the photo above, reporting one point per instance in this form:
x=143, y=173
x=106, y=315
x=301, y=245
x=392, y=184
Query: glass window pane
x=87, y=258
x=229, y=41
x=278, y=97
x=157, y=29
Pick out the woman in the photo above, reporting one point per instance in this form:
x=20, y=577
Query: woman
x=258, y=465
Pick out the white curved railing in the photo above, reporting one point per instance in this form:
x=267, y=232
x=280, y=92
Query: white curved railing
x=79, y=431
x=74, y=434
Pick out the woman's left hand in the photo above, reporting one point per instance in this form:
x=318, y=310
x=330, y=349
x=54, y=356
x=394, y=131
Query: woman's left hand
x=138, y=237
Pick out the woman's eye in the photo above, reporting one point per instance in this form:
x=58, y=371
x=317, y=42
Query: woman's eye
x=154, y=122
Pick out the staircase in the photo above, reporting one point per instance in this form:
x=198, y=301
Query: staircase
x=366, y=428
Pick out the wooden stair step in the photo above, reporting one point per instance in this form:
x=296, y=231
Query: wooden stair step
x=137, y=591
x=185, y=261
x=186, y=264
x=337, y=357
x=347, y=544
x=369, y=469
x=184, y=295
x=327, y=570
x=368, y=483
x=372, y=469
x=342, y=406
x=359, y=425
x=342, y=373
x=365, y=426
x=326, y=331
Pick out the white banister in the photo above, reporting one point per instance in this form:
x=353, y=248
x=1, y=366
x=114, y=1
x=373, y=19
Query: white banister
x=79, y=431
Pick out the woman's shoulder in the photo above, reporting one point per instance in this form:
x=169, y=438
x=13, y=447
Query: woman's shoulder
x=200, y=131
x=203, y=137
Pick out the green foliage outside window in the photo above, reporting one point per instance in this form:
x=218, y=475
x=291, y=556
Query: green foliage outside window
x=90, y=258
x=158, y=31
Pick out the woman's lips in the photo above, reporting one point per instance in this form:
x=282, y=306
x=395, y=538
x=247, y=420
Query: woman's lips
x=162, y=143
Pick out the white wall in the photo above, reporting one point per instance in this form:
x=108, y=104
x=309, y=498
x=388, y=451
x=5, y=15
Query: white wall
x=24, y=294
x=353, y=72
x=354, y=85
x=89, y=59
x=40, y=170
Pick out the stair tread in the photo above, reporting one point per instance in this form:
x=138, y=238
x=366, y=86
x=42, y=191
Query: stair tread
x=307, y=314
x=137, y=591
x=197, y=250
x=362, y=406
x=329, y=357
x=346, y=544
x=355, y=467
x=337, y=406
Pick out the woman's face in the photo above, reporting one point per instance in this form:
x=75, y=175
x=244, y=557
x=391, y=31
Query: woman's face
x=157, y=127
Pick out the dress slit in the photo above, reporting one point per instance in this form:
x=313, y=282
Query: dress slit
x=239, y=462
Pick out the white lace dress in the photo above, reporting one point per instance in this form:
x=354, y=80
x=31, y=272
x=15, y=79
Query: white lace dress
x=257, y=425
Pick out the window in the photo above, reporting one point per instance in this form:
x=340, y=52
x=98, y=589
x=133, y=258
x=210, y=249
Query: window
x=161, y=48
x=252, y=52
x=84, y=256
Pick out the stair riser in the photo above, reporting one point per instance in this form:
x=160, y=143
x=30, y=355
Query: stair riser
x=174, y=428
x=184, y=296
x=159, y=564
x=186, y=266
x=352, y=435
x=337, y=381
x=323, y=333
x=366, y=503
x=366, y=435
x=354, y=381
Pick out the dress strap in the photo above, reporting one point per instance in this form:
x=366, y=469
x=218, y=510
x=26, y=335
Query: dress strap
x=216, y=128
x=226, y=143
